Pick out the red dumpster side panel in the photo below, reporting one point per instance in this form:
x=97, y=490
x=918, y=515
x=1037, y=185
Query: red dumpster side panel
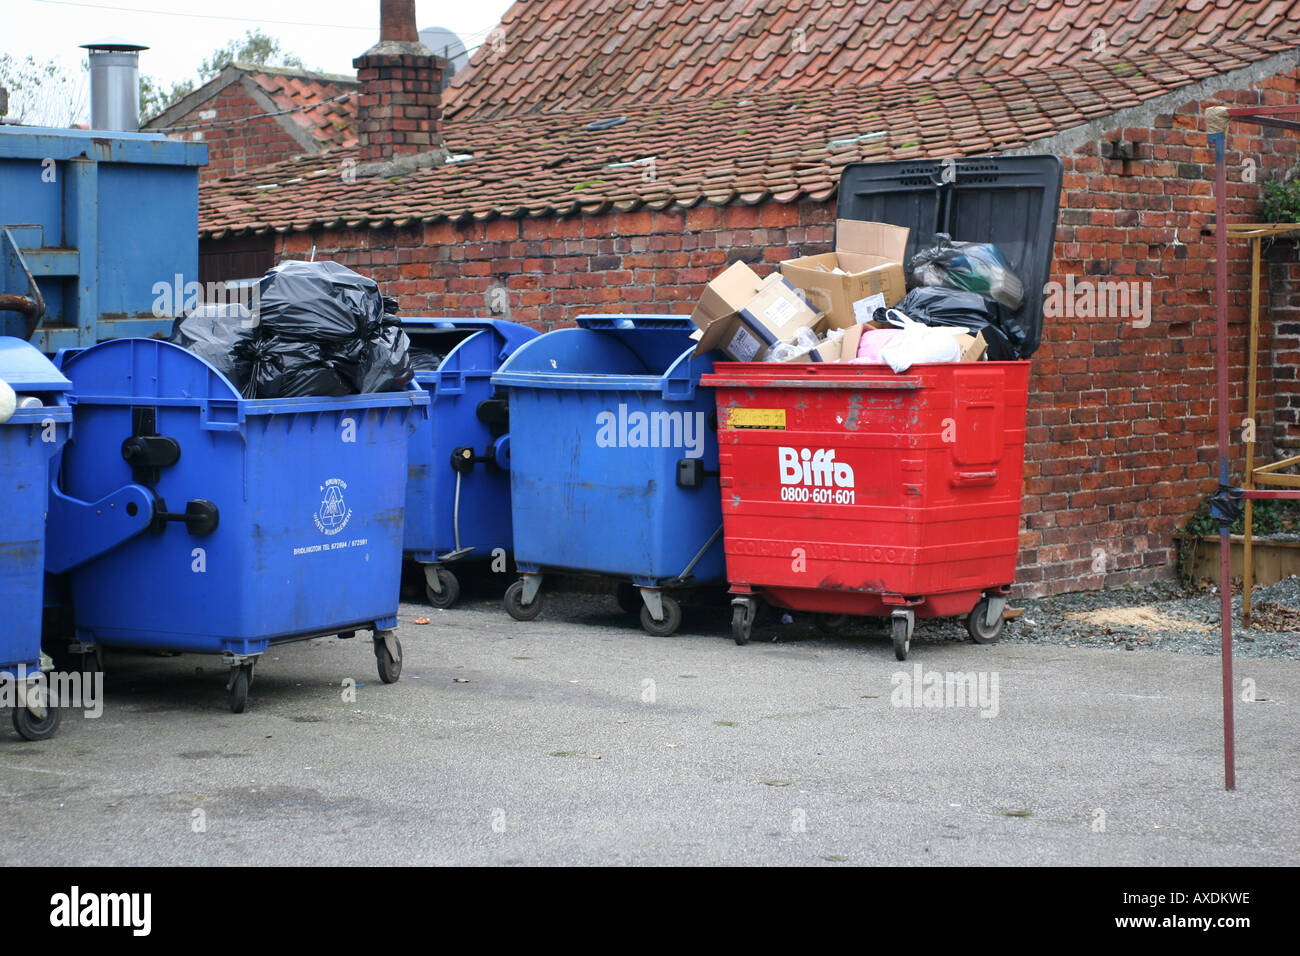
x=846, y=488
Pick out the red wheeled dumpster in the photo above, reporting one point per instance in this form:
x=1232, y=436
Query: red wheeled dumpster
x=849, y=490
x=852, y=490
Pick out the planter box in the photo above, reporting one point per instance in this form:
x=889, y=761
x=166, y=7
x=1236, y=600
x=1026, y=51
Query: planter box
x=1273, y=560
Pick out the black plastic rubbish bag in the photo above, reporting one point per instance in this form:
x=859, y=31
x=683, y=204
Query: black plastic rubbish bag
x=387, y=364
x=967, y=310
x=284, y=368
x=213, y=333
x=318, y=302
x=967, y=266
x=425, y=360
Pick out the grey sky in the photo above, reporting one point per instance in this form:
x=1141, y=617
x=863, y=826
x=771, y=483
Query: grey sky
x=326, y=34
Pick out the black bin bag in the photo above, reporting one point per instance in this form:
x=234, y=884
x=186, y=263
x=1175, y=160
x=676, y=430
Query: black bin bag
x=386, y=366
x=214, y=333
x=967, y=310
x=318, y=302
x=319, y=330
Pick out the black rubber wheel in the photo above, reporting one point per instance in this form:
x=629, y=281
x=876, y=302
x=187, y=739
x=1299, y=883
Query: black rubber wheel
x=742, y=622
x=239, y=683
x=30, y=727
x=89, y=663
x=902, y=640
x=390, y=671
x=831, y=623
x=450, y=590
x=629, y=598
x=515, y=606
x=980, y=632
x=669, y=625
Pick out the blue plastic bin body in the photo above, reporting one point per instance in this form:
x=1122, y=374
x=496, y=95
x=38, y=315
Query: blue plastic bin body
x=28, y=442
x=600, y=416
x=310, y=494
x=474, y=349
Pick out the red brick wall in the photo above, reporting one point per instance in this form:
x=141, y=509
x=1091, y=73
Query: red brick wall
x=1122, y=420
x=242, y=144
x=1121, y=426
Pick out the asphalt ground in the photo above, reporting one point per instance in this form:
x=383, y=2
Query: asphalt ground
x=578, y=739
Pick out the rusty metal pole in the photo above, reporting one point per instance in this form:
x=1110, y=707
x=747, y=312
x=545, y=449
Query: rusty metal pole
x=1216, y=124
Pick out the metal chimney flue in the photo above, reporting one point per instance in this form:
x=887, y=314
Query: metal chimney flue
x=114, y=84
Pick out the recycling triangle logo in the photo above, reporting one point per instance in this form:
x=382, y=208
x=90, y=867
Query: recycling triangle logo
x=333, y=514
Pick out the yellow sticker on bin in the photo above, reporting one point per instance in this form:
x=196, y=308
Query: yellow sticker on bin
x=756, y=418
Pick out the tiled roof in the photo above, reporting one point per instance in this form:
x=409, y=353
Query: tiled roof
x=315, y=101
x=743, y=147
x=317, y=109
x=566, y=54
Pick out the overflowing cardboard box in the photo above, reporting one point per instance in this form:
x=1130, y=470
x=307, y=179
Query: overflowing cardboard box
x=744, y=316
x=867, y=262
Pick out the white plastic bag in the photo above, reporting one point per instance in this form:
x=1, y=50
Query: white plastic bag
x=919, y=344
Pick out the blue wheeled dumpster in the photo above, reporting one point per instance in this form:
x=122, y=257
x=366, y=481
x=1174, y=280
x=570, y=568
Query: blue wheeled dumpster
x=192, y=519
x=30, y=436
x=614, y=462
x=458, y=482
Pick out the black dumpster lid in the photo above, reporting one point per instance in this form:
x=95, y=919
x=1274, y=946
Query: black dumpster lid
x=1010, y=201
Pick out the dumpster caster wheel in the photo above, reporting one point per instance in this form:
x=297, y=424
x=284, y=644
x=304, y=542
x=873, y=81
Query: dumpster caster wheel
x=898, y=630
x=669, y=625
x=831, y=623
x=515, y=606
x=977, y=626
x=450, y=592
x=31, y=727
x=90, y=662
x=629, y=598
x=742, y=623
x=389, y=670
x=239, y=684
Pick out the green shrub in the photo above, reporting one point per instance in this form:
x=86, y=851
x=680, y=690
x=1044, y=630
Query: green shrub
x=1282, y=201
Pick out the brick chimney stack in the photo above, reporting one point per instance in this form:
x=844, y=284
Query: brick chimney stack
x=401, y=82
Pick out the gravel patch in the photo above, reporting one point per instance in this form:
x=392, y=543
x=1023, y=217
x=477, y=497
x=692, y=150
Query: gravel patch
x=1162, y=617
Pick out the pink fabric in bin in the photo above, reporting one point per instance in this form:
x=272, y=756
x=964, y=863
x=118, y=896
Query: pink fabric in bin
x=873, y=342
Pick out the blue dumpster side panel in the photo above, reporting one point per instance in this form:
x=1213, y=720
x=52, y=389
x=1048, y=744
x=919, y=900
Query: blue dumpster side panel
x=462, y=381
x=28, y=442
x=588, y=492
x=310, y=493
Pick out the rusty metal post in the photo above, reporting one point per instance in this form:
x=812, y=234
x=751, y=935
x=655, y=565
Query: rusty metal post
x=1217, y=128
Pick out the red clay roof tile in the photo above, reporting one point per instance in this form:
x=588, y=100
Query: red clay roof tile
x=782, y=144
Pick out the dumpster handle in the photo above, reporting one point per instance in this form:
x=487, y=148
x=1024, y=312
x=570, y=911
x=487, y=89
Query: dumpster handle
x=455, y=512
x=974, y=479
x=858, y=384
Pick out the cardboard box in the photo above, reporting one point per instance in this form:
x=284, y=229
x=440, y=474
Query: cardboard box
x=973, y=347
x=872, y=255
x=744, y=315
